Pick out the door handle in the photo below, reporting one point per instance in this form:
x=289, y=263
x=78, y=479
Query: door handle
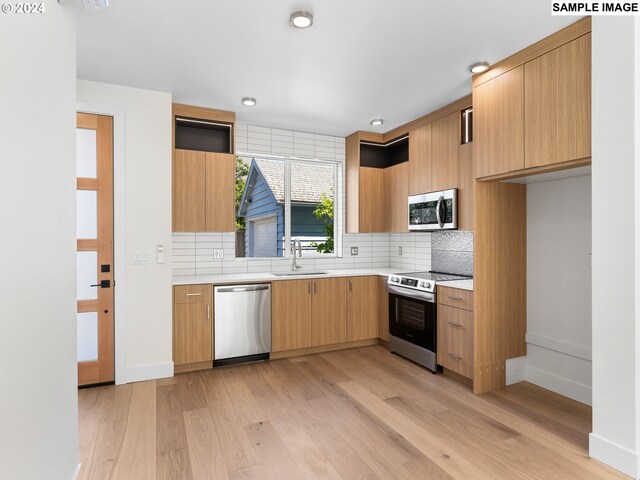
x=102, y=284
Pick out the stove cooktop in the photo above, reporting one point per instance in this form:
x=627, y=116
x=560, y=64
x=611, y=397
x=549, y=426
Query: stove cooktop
x=424, y=281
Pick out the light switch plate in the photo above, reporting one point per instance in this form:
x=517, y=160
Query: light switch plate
x=139, y=258
x=400, y=251
x=354, y=250
x=160, y=253
x=218, y=253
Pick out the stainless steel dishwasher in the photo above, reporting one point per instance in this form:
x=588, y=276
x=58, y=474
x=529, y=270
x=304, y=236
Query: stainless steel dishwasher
x=242, y=323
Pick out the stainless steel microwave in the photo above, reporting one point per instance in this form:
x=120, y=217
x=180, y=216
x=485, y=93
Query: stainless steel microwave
x=434, y=211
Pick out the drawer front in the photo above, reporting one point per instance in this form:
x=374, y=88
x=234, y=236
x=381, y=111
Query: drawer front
x=455, y=323
x=455, y=297
x=456, y=356
x=192, y=294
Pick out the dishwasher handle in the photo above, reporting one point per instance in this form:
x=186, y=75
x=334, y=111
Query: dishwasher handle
x=250, y=288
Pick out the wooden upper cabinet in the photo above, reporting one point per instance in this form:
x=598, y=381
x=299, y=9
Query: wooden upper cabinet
x=445, y=145
x=397, y=205
x=220, y=192
x=362, y=309
x=466, y=187
x=558, y=104
x=329, y=311
x=371, y=200
x=189, y=185
x=420, y=160
x=498, y=118
x=291, y=315
x=203, y=170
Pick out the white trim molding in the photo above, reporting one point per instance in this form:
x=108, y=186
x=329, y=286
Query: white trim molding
x=152, y=371
x=614, y=455
x=562, y=385
x=119, y=229
x=559, y=346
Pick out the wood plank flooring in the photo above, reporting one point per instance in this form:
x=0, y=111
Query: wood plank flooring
x=353, y=414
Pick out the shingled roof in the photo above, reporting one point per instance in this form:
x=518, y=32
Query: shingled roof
x=307, y=181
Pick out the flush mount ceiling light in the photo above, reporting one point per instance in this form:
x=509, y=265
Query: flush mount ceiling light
x=376, y=122
x=249, y=101
x=479, y=67
x=301, y=19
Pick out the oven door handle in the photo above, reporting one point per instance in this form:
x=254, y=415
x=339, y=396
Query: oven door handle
x=411, y=293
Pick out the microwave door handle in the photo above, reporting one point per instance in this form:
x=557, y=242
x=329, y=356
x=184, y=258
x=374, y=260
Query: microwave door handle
x=438, y=207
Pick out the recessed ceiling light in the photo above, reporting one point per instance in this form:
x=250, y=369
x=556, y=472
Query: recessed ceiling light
x=479, y=67
x=376, y=122
x=301, y=19
x=249, y=101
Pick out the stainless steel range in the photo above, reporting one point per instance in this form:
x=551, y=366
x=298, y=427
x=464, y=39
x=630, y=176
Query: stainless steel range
x=413, y=315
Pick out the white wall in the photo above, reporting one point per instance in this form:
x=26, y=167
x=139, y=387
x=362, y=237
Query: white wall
x=559, y=286
x=616, y=251
x=147, y=222
x=38, y=403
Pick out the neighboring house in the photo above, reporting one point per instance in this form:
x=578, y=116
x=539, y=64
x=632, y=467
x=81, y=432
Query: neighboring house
x=262, y=205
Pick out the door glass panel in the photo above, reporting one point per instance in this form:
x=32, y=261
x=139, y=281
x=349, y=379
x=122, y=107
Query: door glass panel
x=85, y=153
x=87, y=214
x=87, y=336
x=87, y=275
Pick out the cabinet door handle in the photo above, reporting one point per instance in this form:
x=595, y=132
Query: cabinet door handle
x=315, y=287
x=456, y=324
x=455, y=357
x=309, y=286
x=350, y=288
x=194, y=294
x=208, y=312
x=454, y=298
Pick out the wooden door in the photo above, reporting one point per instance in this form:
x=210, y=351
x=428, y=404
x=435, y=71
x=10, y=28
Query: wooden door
x=192, y=324
x=189, y=186
x=291, y=315
x=362, y=308
x=445, y=145
x=371, y=200
x=220, y=192
x=397, y=206
x=420, y=160
x=95, y=249
x=498, y=119
x=329, y=311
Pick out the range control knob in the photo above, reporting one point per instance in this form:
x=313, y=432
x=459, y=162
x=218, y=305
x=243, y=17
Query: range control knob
x=427, y=284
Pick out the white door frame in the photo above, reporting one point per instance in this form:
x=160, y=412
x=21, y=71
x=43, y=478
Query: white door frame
x=119, y=233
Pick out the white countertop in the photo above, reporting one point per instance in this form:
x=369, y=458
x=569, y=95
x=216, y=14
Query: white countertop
x=270, y=277
x=461, y=284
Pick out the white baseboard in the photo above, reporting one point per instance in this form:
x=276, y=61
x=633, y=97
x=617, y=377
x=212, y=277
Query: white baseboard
x=152, y=371
x=563, y=386
x=614, y=455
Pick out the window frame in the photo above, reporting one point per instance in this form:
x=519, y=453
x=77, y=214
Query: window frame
x=337, y=204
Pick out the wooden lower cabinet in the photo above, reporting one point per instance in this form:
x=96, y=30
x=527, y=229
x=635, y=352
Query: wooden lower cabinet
x=329, y=311
x=383, y=309
x=192, y=324
x=362, y=308
x=291, y=315
x=456, y=330
x=319, y=312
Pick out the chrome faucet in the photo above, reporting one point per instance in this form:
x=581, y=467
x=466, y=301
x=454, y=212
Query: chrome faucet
x=294, y=266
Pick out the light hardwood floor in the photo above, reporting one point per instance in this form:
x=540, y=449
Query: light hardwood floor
x=354, y=414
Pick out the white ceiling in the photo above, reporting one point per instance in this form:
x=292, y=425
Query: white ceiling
x=397, y=59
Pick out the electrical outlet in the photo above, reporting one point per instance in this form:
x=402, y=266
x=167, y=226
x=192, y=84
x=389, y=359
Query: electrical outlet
x=218, y=253
x=354, y=250
x=400, y=251
x=160, y=253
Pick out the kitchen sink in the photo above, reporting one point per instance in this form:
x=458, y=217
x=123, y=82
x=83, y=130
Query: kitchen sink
x=297, y=274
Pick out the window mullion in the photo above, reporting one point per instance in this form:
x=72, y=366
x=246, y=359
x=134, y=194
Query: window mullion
x=287, y=209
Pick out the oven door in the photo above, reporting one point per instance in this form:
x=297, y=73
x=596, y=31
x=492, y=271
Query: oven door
x=433, y=211
x=413, y=318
